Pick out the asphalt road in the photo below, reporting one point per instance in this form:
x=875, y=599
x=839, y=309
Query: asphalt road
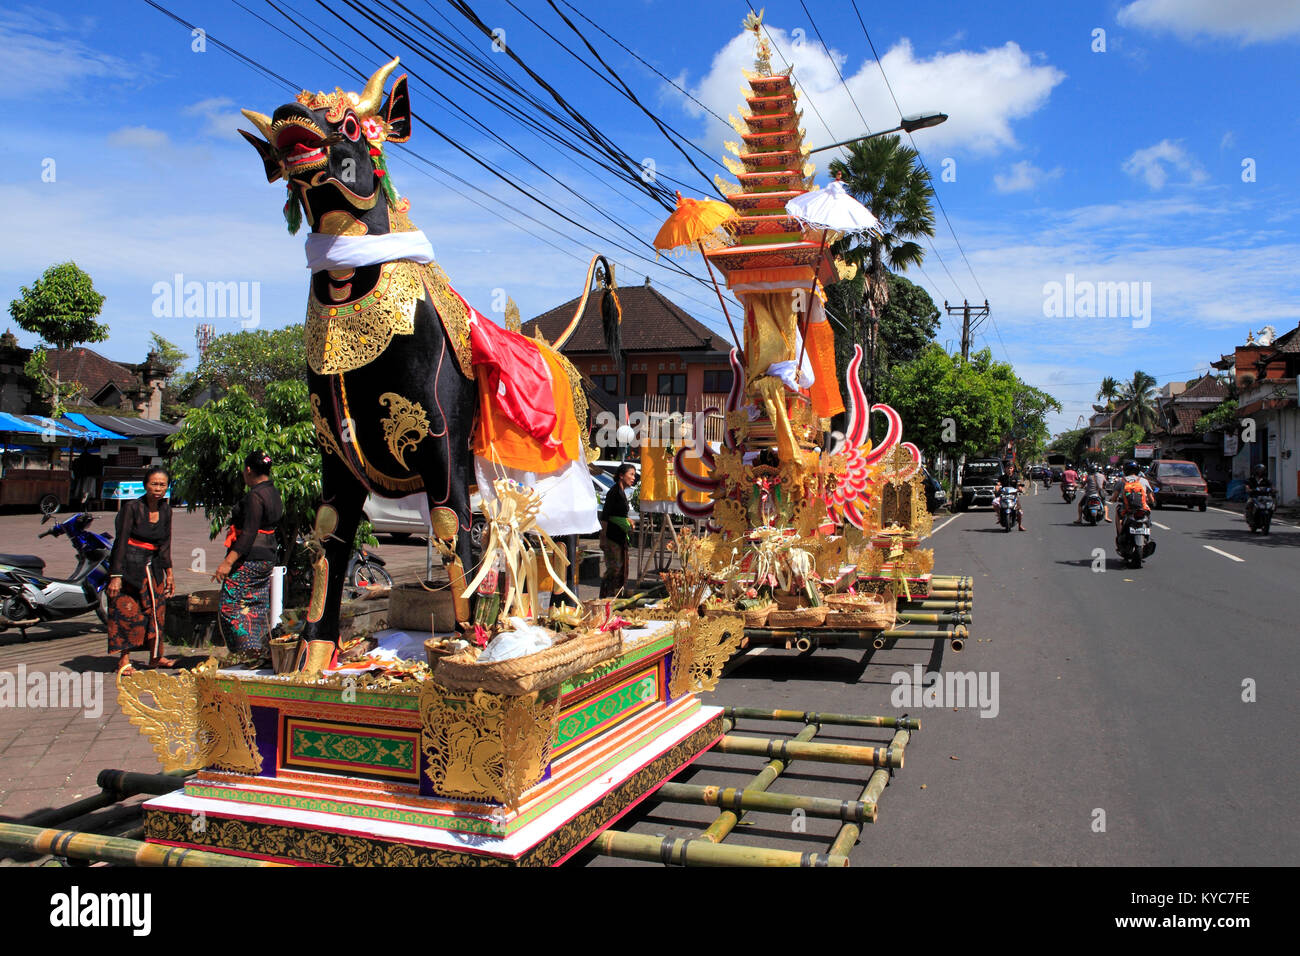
x=1121, y=736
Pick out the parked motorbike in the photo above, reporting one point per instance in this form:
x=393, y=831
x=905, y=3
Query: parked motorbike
x=1134, y=543
x=1093, y=509
x=1259, y=508
x=28, y=596
x=1068, y=492
x=366, y=570
x=1007, y=508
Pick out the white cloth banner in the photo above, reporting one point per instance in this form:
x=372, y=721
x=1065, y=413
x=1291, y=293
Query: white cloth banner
x=568, y=494
x=349, y=252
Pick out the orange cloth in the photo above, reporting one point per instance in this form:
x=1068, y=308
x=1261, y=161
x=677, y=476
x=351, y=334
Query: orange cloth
x=825, y=391
x=500, y=440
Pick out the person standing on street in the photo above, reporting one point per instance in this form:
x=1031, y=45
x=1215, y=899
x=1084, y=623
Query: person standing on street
x=615, y=531
x=140, y=574
x=245, y=574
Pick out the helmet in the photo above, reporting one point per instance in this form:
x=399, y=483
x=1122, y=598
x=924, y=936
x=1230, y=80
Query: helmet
x=1130, y=468
x=1260, y=469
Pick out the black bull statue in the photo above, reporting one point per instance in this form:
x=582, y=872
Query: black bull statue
x=393, y=392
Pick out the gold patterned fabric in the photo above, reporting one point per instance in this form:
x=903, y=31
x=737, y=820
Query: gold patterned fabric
x=342, y=336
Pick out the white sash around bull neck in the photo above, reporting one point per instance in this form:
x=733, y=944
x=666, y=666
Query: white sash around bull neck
x=348, y=252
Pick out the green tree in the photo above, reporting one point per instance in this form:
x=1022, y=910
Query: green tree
x=1109, y=391
x=1122, y=443
x=1140, y=395
x=1073, y=444
x=61, y=307
x=171, y=356
x=884, y=175
x=253, y=359
x=941, y=397
x=1029, y=410
x=1223, y=417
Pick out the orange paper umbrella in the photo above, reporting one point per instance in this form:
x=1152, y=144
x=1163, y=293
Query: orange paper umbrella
x=693, y=221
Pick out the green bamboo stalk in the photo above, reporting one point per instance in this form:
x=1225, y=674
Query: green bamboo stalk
x=102, y=849
x=810, y=717
x=799, y=750
x=701, y=852
x=927, y=605
x=849, y=811
x=727, y=819
x=847, y=838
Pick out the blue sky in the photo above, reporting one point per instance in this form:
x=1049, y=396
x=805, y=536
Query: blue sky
x=1065, y=161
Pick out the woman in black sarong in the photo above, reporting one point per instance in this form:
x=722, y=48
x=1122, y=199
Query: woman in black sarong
x=141, y=574
x=245, y=575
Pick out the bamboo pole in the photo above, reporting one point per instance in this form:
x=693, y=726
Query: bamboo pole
x=799, y=750
x=809, y=717
x=727, y=819
x=848, y=811
x=924, y=605
x=97, y=848
x=709, y=265
x=700, y=852
x=847, y=838
x=933, y=617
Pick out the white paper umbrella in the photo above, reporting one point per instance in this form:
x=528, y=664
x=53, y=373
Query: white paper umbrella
x=831, y=208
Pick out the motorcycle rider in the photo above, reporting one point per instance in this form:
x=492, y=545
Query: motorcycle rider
x=1009, y=478
x=1068, y=478
x=1258, y=478
x=1133, y=482
x=1094, y=484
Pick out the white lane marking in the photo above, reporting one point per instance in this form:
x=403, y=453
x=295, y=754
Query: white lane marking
x=945, y=524
x=1162, y=527
x=1224, y=553
x=1225, y=511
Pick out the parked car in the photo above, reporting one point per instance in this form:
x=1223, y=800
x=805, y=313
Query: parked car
x=978, y=478
x=1179, y=482
x=936, y=497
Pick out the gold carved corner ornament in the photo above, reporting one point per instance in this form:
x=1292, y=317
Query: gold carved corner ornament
x=190, y=720
x=485, y=746
x=324, y=437
x=404, y=427
x=702, y=648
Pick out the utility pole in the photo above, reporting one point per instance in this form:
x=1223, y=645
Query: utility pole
x=967, y=312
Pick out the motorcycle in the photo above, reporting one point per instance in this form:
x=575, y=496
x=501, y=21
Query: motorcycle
x=1259, y=508
x=28, y=596
x=1068, y=492
x=1134, y=543
x=1093, y=508
x=366, y=570
x=1007, y=508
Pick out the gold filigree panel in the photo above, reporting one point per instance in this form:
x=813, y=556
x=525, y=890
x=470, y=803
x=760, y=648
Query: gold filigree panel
x=701, y=650
x=405, y=425
x=485, y=746
x=190, y=720
x=342, y=336
x=324, y=437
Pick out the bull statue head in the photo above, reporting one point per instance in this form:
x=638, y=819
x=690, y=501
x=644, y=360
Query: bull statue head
x=329, y=149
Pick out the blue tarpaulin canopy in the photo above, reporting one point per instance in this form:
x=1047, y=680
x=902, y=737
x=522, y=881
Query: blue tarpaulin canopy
x=98, y=431
x=40, y=425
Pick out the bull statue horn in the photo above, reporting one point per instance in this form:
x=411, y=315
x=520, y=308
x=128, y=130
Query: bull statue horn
x=373, y=94
x=261, y=121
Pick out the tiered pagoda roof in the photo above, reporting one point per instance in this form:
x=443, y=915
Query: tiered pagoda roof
x=772, y=169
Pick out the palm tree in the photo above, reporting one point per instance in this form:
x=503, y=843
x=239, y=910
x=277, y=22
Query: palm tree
x=1139, y=393
x=1109, y=391
x=884, y=175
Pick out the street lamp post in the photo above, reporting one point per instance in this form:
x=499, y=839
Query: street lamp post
x=907, y=124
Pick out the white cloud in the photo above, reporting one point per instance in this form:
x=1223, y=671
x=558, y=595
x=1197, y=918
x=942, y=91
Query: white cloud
x=1024, y=175
x=139, y=137
x=982, y=92
x=41, y=60
x=221, y=118
x=1249, y=21
x=1154, y=162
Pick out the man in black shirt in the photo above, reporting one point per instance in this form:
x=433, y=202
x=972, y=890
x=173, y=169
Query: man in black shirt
x=615, y=531
x=1009, y=478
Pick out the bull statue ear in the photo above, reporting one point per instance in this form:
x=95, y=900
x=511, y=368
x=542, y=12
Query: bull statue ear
x=397, y=111
x=267, y=152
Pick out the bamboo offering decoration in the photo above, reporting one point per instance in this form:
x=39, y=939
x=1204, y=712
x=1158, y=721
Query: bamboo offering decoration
x=511, y=518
